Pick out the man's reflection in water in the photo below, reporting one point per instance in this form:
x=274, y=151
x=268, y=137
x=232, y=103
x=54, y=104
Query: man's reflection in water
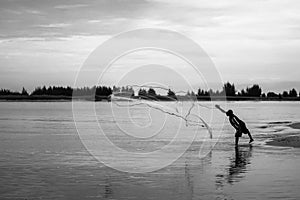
x=193, y=167
x=237, y=167
x=108, y=192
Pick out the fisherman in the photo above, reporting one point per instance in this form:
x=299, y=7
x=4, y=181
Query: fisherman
x=239, y=126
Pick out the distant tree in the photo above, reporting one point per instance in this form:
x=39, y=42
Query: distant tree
x=217, y=93
x=293, y=93
x=200, y=92
x=24, y=92
x=243, y=93
x=54, y=91
x=229, y=89
x=254, y=91
x=44, y=90
x=171, y=94
x=131, y=91
x=127, y=91
x=285, y=94
x=151, y=92
x=50, y=91
x=123, y=89
x=8, y=92
x=106, y=91
x=116, y=89
x=207, y=93
x=263, y=95
x=85, y=91
x=191, y=95
x=204, y=93
x=272, y=94
x=4, y=92
x=37, y=91
x=142, y=92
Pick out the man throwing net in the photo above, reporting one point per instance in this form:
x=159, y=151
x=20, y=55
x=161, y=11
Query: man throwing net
x=238, y=124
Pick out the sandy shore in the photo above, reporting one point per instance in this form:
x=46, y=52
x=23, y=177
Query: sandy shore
x=43, y=157
x=295, y=125
x=288, y=141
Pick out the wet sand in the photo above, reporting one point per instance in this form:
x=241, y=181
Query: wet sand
x=287, y=141
x=290, y=141
x=42, y=157
x=295, y=125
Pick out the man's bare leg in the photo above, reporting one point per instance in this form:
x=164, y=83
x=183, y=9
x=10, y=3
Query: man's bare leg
x=250, y=136
x=236, y=141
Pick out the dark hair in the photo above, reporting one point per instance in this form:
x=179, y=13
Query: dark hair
x=229, y=113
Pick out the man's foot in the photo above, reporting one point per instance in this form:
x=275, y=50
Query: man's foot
x=251, y=140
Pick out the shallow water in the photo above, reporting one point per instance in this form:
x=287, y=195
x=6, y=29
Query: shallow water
x=42, y=156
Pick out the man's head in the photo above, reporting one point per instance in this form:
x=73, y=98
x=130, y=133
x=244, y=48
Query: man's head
x=229, y=113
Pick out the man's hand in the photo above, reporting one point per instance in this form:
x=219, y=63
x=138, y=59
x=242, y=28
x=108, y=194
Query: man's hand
x=219, y=107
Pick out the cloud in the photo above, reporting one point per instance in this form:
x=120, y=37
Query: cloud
x=58, y=25
x=246, y=38
x=18, y=17
x=94, y=21
x=34, y=12
x=71, y=6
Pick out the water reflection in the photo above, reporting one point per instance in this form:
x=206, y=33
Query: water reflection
x=189, y=180
x=194, y=169
x=108, y=192
x=237, y=167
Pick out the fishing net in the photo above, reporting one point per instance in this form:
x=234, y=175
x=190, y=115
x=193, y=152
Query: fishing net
x=125, y=98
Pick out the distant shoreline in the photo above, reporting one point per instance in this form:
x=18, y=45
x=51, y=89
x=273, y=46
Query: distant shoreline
x=160, y=98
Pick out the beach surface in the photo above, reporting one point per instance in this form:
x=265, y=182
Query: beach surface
x=43, y=157
x=295, y=125
x=287, y=141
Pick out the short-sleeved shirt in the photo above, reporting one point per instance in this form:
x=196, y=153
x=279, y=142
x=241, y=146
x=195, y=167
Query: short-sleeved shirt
x=239, y=125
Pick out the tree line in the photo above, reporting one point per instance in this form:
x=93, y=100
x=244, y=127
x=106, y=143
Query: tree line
x=151, y=94
x=62, y=91
x=228, y=89
x=253, y=91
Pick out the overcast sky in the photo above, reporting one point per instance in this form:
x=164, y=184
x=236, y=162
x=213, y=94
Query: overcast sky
x=45, y=42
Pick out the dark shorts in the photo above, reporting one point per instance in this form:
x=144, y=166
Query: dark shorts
x=240, y=132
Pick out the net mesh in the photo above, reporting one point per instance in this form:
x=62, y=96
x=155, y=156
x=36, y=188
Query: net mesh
x=126, y=98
